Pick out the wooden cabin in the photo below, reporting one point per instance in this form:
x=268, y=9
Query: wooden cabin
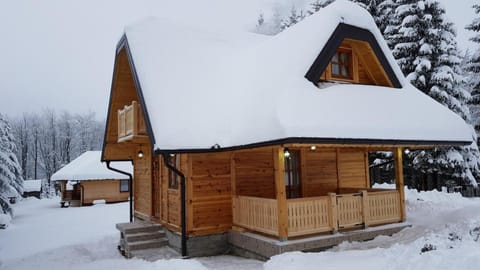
x=252, y=143
x=86, y=180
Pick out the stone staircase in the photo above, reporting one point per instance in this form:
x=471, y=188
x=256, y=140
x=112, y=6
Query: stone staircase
x=140, y=238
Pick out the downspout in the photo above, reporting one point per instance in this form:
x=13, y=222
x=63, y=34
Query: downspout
x=130, y=186
x=183, y=203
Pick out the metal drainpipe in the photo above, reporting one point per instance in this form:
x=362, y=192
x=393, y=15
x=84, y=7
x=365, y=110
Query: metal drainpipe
x=183, y=203
x=130, y=186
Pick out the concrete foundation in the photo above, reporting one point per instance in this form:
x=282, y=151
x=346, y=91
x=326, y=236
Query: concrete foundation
x=262, y=247
x=199, y=246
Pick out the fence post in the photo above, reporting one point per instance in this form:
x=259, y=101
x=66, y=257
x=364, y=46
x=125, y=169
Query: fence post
x=333, y=212
x=366, y=208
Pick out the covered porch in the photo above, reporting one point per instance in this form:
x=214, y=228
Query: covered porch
x=296, y=214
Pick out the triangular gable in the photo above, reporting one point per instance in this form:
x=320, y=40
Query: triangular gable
x=125, y=88
x=360, y=37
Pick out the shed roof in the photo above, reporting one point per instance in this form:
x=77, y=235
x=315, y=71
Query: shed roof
x=199, y=89
x=89, y=167
x=32, y=185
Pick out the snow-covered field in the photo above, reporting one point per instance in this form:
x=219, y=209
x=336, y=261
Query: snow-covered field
x=44, y=236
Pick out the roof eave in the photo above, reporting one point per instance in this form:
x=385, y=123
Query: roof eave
x=386, y=143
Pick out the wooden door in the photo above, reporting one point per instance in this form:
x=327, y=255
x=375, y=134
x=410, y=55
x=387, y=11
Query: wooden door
x=292, y=175
x=156, y=189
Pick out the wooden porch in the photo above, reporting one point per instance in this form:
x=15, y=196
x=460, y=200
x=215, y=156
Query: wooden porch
x=349, y=208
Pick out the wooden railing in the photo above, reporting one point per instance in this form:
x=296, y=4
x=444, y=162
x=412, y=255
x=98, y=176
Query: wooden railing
x=318, y=214
x=308, y=215
x=384, y=207
x=258, y=214
x=130, y=122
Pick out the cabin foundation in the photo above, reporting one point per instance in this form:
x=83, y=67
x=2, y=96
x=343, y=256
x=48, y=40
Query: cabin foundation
x=200, y=246
x=256, y=246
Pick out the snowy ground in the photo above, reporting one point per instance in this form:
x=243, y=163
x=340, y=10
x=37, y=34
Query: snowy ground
x=44, y=236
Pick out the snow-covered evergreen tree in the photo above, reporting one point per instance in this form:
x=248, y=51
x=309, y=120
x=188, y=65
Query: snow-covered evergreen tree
x=472, y=68
x=316, y=5
x=294, y=17
x=424, y=44
x=11, y=181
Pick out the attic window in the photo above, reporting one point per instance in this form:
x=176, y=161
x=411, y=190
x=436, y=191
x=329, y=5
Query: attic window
x=342, y=64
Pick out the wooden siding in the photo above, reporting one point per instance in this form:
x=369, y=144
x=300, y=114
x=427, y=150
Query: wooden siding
x=209, y=193
x=142, y=183
x=352, y=168
x=108, y=190
x=320, y=171
x=254, y=173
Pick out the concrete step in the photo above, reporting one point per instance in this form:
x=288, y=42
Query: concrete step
x=142, y=236
x=138, y=227
x=140, y=245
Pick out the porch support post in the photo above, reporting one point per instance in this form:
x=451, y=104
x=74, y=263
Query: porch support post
x=398, y=153
x=282, y=211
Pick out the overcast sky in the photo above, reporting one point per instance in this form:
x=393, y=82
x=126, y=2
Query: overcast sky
x=59, y=53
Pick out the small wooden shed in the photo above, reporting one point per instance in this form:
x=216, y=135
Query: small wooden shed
x=252, y=140
x=86, y=179
x=32, y=188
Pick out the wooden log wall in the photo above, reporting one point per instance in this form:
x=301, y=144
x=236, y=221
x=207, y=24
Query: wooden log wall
x=353, y=168
x=320, y=172
x=209, y=200
x=254, y=173
x=108, y=190
x=142, y=183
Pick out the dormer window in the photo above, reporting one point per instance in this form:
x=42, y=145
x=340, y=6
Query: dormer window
x=342, y=64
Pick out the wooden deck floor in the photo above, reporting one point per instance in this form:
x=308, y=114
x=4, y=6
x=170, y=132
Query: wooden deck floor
x=257, y=246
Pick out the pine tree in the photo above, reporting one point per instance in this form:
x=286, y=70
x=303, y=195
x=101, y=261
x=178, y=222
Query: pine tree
x=11, y=181
x=472, y=69
x=292, y=19
x=317, y=5
x=424, y=45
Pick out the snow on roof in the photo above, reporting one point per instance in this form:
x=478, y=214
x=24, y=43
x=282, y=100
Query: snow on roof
x=89, y=167
x=202, y=88
x=32, y=185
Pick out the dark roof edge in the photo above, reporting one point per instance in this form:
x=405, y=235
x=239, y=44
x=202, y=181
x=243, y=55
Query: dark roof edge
x=120, y=45
x=352, y=32
x=307, y=140
x=123, y=44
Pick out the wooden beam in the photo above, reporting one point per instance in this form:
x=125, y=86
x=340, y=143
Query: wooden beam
x=279, y=168
x=398, y=154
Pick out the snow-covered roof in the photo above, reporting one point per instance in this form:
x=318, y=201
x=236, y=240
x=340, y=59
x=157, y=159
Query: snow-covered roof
x=202, y=88
x=89, y=167
x=32, y=185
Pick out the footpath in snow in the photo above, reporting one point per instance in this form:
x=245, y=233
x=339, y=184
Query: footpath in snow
x=44, y=236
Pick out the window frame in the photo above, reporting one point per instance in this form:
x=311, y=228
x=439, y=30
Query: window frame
x=122, y=181
x=349, y=65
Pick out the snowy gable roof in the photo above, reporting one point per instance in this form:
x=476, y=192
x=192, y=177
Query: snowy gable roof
x=200, y=88
x=89, y=167
x=32, y=185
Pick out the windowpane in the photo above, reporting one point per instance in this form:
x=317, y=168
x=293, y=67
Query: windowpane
x=341, y=64
x=124, y=187
x=335, y=58
x=335, y=69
